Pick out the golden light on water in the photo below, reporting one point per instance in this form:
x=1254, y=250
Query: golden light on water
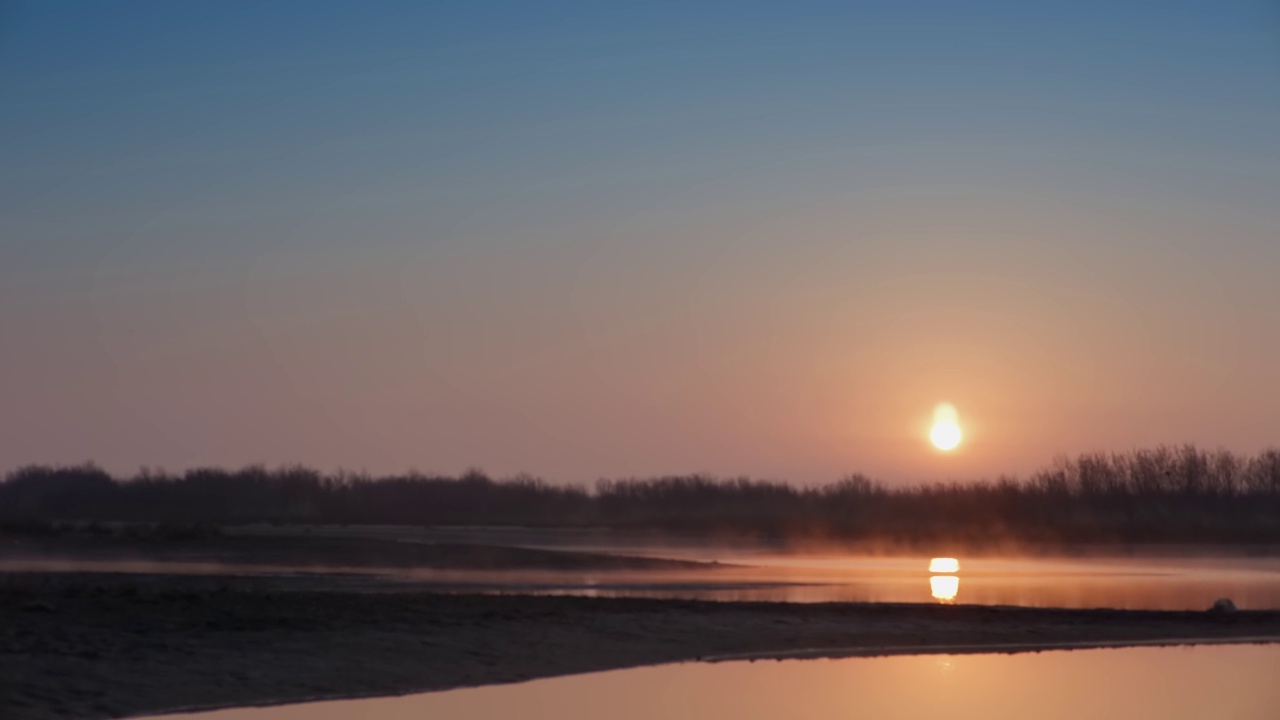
x=945, y=434
x=944, y=587
x=944, y=565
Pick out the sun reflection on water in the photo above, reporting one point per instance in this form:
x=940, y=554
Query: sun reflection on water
x=944, y=565
x=944, y=588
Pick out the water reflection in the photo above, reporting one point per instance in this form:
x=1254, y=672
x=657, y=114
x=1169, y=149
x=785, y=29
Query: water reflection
x=1174, y=582
x=944, y=565
x=1168, y=683
x=944, y=588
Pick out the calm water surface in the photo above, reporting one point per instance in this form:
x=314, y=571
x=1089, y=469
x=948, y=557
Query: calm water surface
x=1222, y=682
x=1148, y=584
x=1162, y=580
x=752, y=572
x=1187, y=583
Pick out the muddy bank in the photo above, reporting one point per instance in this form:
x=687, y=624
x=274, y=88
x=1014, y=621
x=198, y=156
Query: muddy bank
x=96, y=646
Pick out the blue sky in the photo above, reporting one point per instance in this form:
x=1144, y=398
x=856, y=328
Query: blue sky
x=584, y=239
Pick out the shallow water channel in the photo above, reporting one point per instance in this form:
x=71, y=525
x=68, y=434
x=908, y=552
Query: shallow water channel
x=1160, y=583
x=1171, y=583
x=1224, y=682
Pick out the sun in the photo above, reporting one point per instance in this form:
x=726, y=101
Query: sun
x=945, y=434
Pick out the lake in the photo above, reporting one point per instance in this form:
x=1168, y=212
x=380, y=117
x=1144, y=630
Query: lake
x=1224, y=682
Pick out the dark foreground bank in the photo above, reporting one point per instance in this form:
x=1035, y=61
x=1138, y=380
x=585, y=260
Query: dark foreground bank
x=95, y=646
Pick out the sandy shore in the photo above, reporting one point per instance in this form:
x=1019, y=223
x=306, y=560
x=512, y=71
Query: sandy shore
x=95, y=646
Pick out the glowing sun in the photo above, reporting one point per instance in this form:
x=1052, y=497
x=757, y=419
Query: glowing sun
x=945, y=434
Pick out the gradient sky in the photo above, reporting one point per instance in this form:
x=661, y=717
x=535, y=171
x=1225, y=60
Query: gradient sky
x=581, y=240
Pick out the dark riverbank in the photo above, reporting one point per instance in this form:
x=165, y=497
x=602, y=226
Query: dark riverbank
x=304, y=551
x=94, y=646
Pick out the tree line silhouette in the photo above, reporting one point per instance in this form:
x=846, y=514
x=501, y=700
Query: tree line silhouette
x=1162, y=495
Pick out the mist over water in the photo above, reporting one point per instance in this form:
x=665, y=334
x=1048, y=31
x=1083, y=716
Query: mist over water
x=1122, y=583
x=1168, y=579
